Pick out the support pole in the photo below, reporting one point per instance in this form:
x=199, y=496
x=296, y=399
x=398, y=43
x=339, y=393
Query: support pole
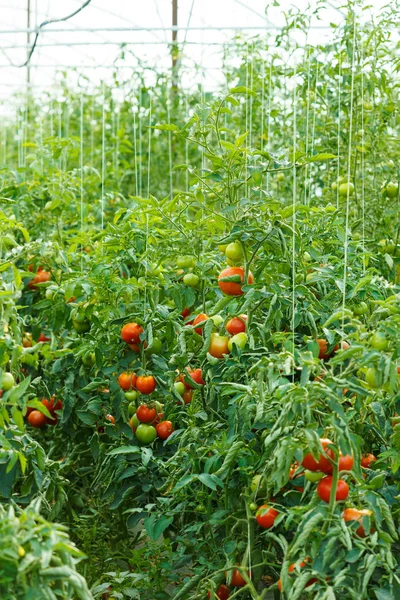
x=28, y=39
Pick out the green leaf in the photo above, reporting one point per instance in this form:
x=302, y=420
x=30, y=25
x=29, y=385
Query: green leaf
x=124, y=450
x=241, y=89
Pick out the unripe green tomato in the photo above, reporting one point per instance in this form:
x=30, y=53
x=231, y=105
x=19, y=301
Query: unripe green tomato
x=240, y=340
x=222, y=247
x=234, y=251
x=329, y=208
x=346, y=189
x=142, y=281
x=307, y=257
x=356, y=236
x=146, y=434
x=257, y=484
x=360, y=309
x=185, y=262
x=299, y=277
x=132, y=409
x=313, y=476
x=280, y=177
x=81, y=324
x=50, y=292
x=158, y=406
x=253, y=506
x=131, y=396
x=134, y=421
x=334, y=186
x=387, y=246
x=368, y=105
x=379, y=341
x=7, y=382
x=88, y=359
x=232, y=263
x=179, y=387
x=191, y=279
x=371, y=377
x=156, y=347
x=217, y=320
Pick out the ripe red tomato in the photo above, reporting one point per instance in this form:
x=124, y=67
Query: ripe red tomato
x=196, y=375
x=218, y=345
x=266, y=516
x=52, y=405
x=353, y=514
x=233, y=288
x=43, y=338
x=164, y=429
x=323, y=349
x=237, y=579
x=127, y=380
x=145, y=414
x=366, y=461
x=222, y=592
x=199, y=319
x=292, y=568
x=37, y=419
x=324, y=489
x=130, y=333
x=185, y=313
x=40, y=277
x=292, y=475
x=346, y=462
x=111, y=419
x=187, y=396
x=323, y=464
x=236, y=325
x=146, y=384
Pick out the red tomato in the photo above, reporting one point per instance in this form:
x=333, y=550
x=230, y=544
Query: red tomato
x=323, y=349
x=324, y=489
x=233, y=288
x=37, y=419
x=222, y=592
x=237, y=580
x=164, y=429
x=323, y=464
x=266, y=516
x=27, y=340
x=146, y=384
x=218, y=345
x=196, y=375
x=187, y=396
x=185, y=313
x=145, y=414
x=236, y=325
x=111, y=419
x=346, y=463
x=367, y=460
x=292, y=568
x=292, y=472
x=130, y=333
x=43, y=338
x=127, y=380
x=199, y=319
x=51, y=405
x=40, y=277
x=353, y=514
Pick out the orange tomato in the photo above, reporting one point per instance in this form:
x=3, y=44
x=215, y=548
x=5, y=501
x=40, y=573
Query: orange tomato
x=233, y=288
x=199, y=319
x=353, y=514
x=146, y=384
x=130, y=333
x=236, y=325
x=127, y=380
x=218, y=345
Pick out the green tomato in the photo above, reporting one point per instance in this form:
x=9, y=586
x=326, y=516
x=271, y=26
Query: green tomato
x=81, y=324
x=132, y=410
x=346, y=189
x=131, y=396
x=334, y=186
x=371, y=377
x=191, y=279
x=7, y=382
x=217, y=320
x=158, y=406
x=280, y=177
x=391, y=190
x=50, y=292
x=257, y=484
x=134, y=421
x=313, y=477
x=222, y=247
x=253, y=506
x=240, y=340
x=387, y=246
x=368, y=105
x=307, y=257
x=185, y=262
x=146, y=434
x=88, y=359
x=360, y=309
x=379, y=341
x=179, y=387
x=234, y=251
x=156, y=347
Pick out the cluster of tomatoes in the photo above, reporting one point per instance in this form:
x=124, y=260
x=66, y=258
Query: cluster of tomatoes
x=147, y=419
x=38, y=419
